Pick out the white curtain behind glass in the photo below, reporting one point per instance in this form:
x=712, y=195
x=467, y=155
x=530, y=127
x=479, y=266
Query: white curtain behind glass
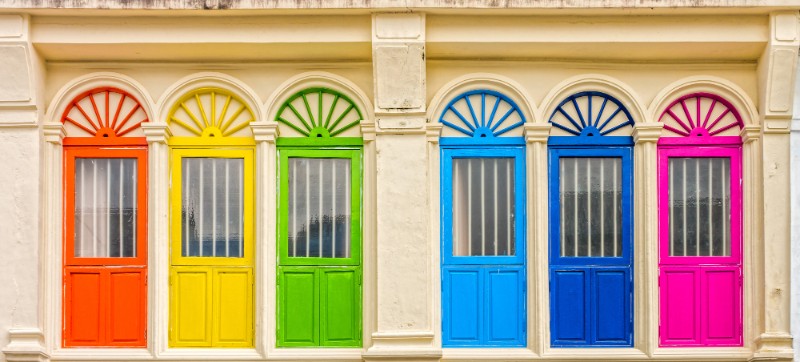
x=105, y=207
x=483, y=207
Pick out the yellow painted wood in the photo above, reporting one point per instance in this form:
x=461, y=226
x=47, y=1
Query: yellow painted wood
x=233, y=307
x=175, y=198
x=196, y=113
x=190, y=307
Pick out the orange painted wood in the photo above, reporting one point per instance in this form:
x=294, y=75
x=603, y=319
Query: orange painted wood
x=70, y=154
x=105, y=306
x=105, y=299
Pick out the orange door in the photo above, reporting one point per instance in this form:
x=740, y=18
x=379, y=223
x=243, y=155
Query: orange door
x=105, y=245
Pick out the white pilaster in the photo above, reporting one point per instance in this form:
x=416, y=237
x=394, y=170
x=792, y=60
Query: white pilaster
x=776, y=70
x=404, y=328
x=23, y=270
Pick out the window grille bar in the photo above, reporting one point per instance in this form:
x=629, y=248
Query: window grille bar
x=575, y=184
x=469, y=206
x=308, y=208
x=672, y=207
x=293, y=220
x=201, y=214
x=615, y=187
x=602, y=204
x=710, y=205
x=589, y=207
x=347, y=188
x=107, y=221
x=185, y=200
x=240, y=209
x=697, y=208
x=726, y=210
x=82, y=237
x=334, y=212
x=320, y=209
x=134, y=205
x=563, y=204
x=94, y=209
x=509, y=208
x=120, y=209
x=685, y=210
x=214, y=186
x=483, y=207
x=496, y=206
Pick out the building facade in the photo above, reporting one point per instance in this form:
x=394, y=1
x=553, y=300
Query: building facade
x=384, y=180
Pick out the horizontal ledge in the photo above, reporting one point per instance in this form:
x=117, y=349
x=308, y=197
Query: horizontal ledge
x=338, y=354
x=100, y=354
x=210, y=353
x=501, y=354
x=595, y=353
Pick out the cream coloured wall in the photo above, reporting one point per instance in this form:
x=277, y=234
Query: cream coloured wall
x=402, y=65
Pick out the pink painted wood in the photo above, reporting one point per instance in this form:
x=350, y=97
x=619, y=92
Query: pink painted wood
x=701, y=296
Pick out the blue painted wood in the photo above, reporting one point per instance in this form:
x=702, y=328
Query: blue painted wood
x=483, y=297
x=505, y=319
x=613, y=297
x=626, y=154
x=463, y=295
x=482, y=126
x=568, y=303
x=588, y=121
x=591, y=297
x=448, y=154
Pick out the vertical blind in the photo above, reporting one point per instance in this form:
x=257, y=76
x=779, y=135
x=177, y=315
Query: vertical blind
x=319, y=207
x=699, y=206
x=105, y=207
x=212, y=207
x=591, y=206
x=483, y=207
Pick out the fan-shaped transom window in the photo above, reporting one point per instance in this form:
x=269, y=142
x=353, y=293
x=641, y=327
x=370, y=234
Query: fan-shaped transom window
x=483, y=115
x=591, y=114
x=319, y=113
x=104, y=113
x=210, y=112
x=701, y=115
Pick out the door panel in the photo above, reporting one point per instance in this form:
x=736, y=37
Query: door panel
x=340, y=311
x=84, y=307
x=568, y=300
x=721, y=295
x=233, y=307
x=680, y=301
x=611, y=298
x=127, y=306
x=298, y=309
x=191, y=306
x=463, y=304
x=505, y=322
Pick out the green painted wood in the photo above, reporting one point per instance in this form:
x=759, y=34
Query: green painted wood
x=319, y=120
x=340, y=304
x=319, y=142
x=320, y=299
x=355, y=206
x=298, y=307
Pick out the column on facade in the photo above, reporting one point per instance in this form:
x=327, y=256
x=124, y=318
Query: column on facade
x=403, y=283
x=21, y=111
x=158, y=175
x=536, y=135
x=776, y=70
x=645, y=137
x=265, y=134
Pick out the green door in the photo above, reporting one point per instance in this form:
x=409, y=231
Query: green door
x=319, y=238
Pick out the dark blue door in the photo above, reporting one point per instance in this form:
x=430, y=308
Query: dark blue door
x=590, y=182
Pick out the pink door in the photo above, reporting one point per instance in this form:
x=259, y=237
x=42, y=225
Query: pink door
x=700, y=212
